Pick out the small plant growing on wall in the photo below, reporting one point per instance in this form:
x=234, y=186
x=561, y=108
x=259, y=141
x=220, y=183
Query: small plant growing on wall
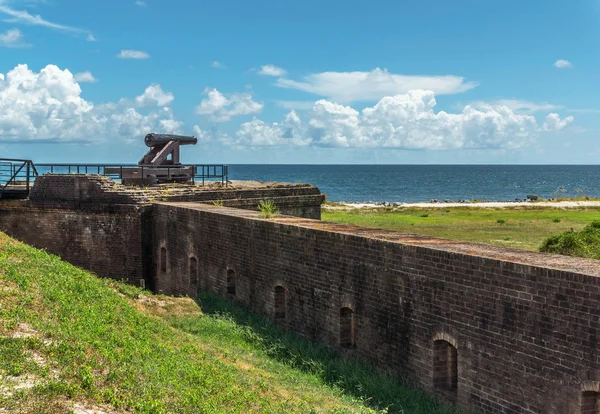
x=268, y=209
x=218, y=203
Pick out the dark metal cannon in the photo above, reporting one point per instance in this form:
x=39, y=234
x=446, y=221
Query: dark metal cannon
x=161, y=163
x=163, y=146
x=152, y=140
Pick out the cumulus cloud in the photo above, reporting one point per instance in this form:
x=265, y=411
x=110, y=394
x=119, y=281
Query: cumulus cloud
x=406, y=121
x=288, y=132
x=12, y=38
x=213, y=136
x=217, y=65
x=271, y=70
x=154, y=95
x=132, y=54
x=346, y=87
x=47, y=106
x=221, y=108
x=22, y=16
x=562, y=64
x=555, y=123
x=85, y=77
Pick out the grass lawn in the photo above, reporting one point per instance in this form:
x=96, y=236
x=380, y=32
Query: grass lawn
x=69, y=340
x=523, y=228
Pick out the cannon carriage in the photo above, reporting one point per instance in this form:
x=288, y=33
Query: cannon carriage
x=161, y=164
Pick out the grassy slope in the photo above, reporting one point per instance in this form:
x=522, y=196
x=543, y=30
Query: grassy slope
x=76, y=338
x=523, y=228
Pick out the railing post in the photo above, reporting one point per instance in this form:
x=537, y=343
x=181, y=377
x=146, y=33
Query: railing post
x=28, y=174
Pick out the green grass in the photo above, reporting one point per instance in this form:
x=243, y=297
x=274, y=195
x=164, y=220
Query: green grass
x=78, y=338
x=524, y=228
x=268, y=209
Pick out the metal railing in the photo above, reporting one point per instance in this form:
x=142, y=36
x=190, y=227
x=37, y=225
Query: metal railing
x=200, y=172
x=16, y=176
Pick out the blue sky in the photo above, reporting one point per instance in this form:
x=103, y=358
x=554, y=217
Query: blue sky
x=467, y=81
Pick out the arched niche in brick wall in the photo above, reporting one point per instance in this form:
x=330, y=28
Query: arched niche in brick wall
x=230, y=282
x=279, y=302
x=590, y=398
x=445, y=363
x=163, y=259
x=347, y=328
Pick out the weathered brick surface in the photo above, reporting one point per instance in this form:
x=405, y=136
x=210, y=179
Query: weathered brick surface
x=110, y=243
x=94, y=191
x=95, y=223
x=525, y=325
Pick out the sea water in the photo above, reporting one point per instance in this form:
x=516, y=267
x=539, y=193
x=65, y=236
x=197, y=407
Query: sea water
x=414, y=183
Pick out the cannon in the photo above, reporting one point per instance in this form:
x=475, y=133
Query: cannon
x=152, y=140
x=160, y=164
x=163, y=146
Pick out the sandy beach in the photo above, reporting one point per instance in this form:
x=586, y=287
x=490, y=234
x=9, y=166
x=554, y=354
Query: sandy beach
x=488, y=204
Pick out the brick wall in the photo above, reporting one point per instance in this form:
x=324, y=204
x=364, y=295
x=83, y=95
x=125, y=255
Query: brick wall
x=97, y=224
x=81, y=191
x=495, y=330
x=109, y=241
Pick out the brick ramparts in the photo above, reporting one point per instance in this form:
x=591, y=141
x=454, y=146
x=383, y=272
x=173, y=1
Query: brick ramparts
x=102, y=226
x=494, y=330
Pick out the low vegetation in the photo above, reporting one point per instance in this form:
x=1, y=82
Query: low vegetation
x=71, y=341
x=268, y=209
x=584, y=243
x=523, y=228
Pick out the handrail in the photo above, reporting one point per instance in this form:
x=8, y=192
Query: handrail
x=201, y=171
x=25, y=170
x=14, y=173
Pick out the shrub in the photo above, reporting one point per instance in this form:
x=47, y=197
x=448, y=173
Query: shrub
x=268, y=209
x=584, y=243
x=556, y=220
x=425, y=215
x=500, y=221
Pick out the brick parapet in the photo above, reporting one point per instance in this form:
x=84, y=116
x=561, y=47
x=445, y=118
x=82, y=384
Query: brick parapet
x=525, y=324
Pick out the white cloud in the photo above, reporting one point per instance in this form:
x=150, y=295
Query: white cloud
x=154, y=95
x=562, y=64
x=346, y=87
x=212, y=136
x=12, y=38
x=22, y=16
x=85, y=77
x=289, y=132
x=521, y=106
x=221, y=108
x=47, y=106
x=132, y=125
x=271, y=70
x=141, y=3
x=217, y=65
x=406, y=121
x=555, y=123
x=132, y=54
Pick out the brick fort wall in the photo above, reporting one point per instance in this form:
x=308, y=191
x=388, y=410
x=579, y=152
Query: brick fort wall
x=104, y=227
x=494, y=330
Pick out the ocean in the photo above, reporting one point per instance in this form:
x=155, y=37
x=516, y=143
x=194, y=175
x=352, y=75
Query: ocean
x=415, y=183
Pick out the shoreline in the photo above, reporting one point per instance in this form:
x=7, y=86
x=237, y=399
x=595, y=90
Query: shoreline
x=483, y=204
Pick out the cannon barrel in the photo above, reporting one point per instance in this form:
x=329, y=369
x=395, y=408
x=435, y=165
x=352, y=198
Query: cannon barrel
x=152, y=140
